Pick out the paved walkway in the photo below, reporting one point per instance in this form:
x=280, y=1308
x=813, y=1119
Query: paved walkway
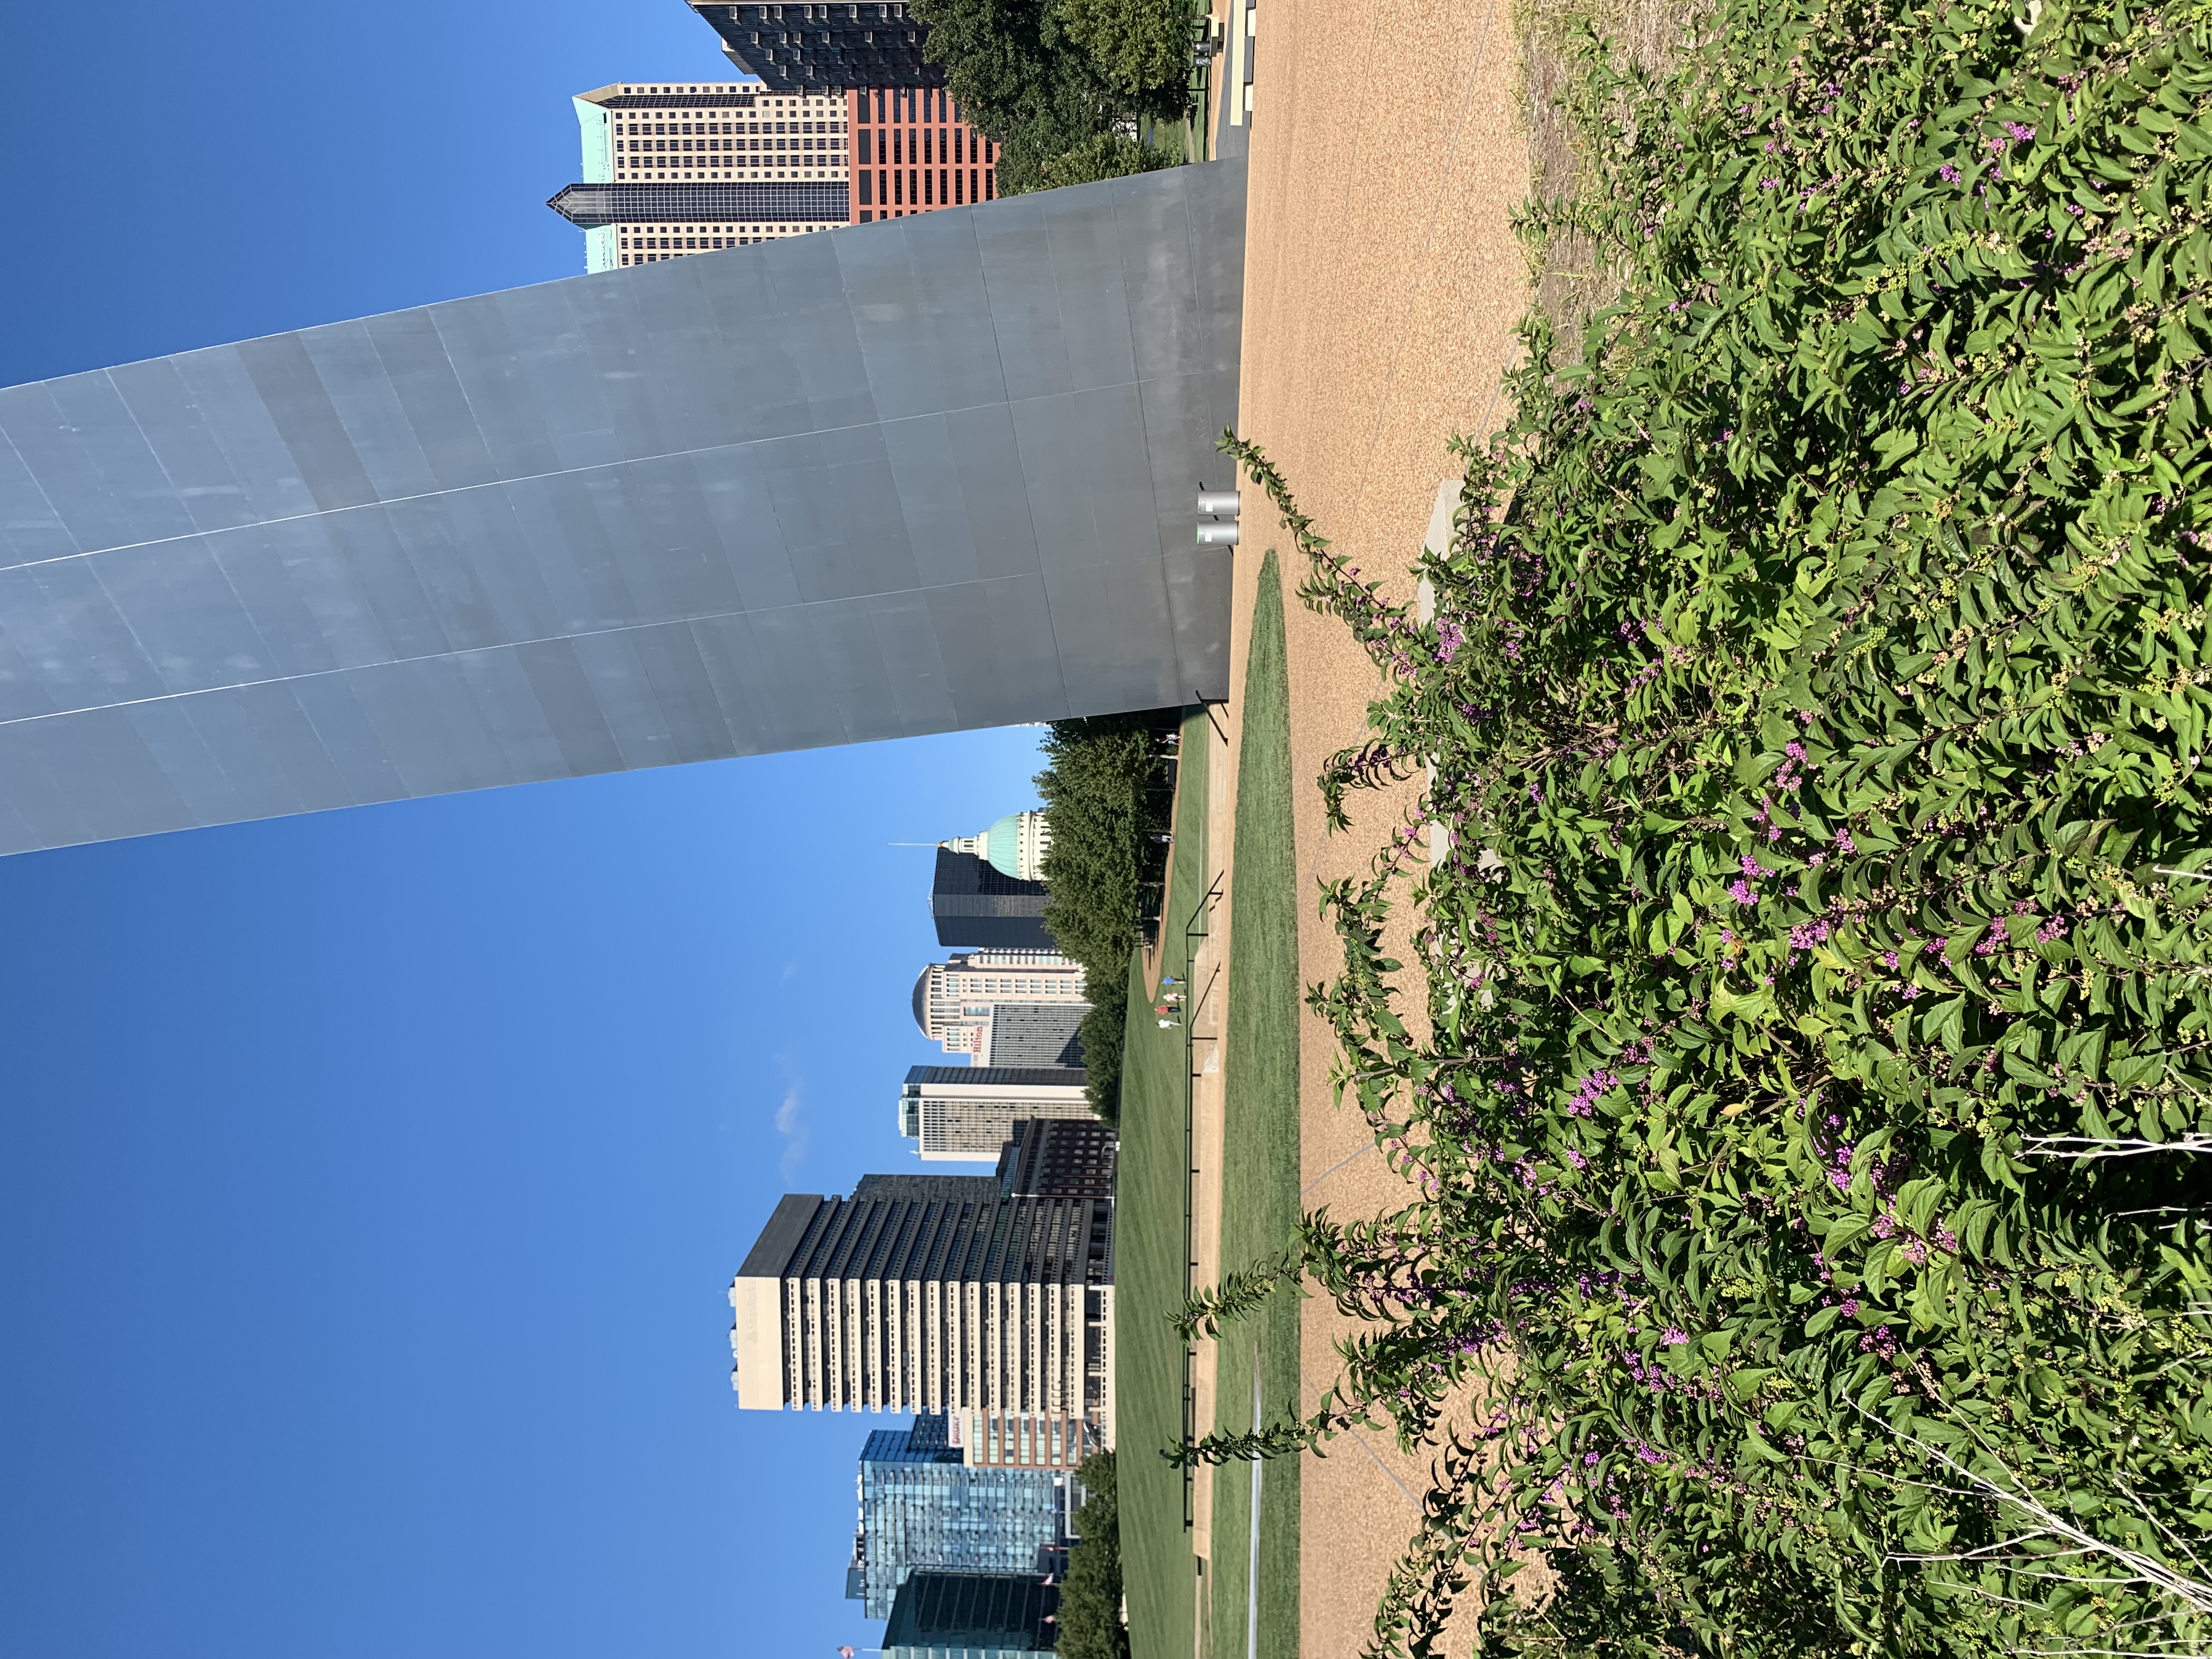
x=1382, y=284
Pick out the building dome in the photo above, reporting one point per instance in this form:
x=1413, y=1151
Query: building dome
x=921, y=1000
x=1014, y=846
x=1002, y=847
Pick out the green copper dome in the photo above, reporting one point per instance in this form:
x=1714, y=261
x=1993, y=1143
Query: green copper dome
x=1002, y=845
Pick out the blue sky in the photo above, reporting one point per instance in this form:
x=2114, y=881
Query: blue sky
x=369, y=1182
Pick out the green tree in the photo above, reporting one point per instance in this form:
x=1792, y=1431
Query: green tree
x=1090, y=1601
x=1022, y=79
x=1104, y=790
x=1010, y=66
x=1142, y=46
x=1109, y=156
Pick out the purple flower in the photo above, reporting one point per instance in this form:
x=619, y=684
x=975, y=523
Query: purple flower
x=1850, y=1308
x=1948, y=174
x=1740, y=891
x=1674, y=1336
x=1449, y=637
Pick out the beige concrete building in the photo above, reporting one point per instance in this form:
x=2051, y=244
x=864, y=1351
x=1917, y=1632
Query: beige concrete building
x=953, y=999
x=709, y=132
x=964, y=1114
x=992, y=1440
x=931, y=1293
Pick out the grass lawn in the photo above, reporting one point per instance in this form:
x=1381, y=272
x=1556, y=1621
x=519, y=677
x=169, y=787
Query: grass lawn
x=1158, y=1570
x=1260, y=1184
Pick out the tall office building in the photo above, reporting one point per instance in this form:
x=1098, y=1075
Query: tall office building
x=928, y=1293
x=813, y=48
x=1028, y=1035
x=672, y=168
x=1058, y=1157
x=972, y=1615
x=974, y=903
x=913, y=154
x=923, y=1507
x=965, y=1113
x=954, y=1000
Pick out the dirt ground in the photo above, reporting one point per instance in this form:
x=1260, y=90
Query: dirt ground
x=1382, y=284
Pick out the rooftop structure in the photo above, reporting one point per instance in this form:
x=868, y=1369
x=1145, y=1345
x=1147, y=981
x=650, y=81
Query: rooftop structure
x=963, y=1114
x=926, y=1293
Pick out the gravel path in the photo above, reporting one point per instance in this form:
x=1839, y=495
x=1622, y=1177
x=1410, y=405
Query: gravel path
x=1382, y=281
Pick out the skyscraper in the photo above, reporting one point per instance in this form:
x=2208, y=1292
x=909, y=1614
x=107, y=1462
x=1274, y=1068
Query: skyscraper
x=1058, y=1157
x=686, y=167
x=974, y=903
x=973, y=1615
x=928, y=1293
x=823, y=47
x=913, y=154
x=1033, y=1034
x=954, y=1000
x=921, y=1506
x=964, y=1113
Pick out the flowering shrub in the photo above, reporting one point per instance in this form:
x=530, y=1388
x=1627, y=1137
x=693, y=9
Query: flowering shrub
x=1806, y=1130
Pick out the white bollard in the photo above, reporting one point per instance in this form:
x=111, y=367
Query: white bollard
x=1217, y=535
x=1219, y=503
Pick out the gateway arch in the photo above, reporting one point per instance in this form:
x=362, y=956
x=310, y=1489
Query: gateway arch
x=912, y=477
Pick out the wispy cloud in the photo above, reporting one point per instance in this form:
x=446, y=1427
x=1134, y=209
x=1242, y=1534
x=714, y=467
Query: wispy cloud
x=791, y=1126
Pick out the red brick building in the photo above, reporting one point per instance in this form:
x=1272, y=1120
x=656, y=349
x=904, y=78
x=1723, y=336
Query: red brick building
x=912, y=154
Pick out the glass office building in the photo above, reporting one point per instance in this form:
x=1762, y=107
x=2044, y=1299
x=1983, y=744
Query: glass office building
x=922, y=1507
x=973, y=1615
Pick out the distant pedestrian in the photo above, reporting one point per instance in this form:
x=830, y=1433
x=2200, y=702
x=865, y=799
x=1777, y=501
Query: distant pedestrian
x=1170, y=979
x=1166, y=1024
x=1163, y=838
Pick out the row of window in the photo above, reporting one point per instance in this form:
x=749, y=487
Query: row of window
x=882, y=12
x=726, y=143
x=666, y=129
x=678, y=247
x=930, y=187
x=958, y=145
x=909, y=105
